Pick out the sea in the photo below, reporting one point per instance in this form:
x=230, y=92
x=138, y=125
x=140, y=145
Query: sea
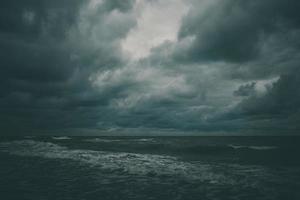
x=149, y=168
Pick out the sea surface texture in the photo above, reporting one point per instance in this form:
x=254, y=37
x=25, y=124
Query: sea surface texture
x=166, y=168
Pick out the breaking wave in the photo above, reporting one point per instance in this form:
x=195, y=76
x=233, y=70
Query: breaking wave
x=102, y=140
x=61, y=138
x=130, y=163
x=120, y=140
x=253, y=147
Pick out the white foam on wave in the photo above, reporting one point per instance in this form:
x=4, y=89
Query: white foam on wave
x=144, y=140
x=263, y=147
x=253, y=147
x=131, y=163
x=61, y=138
x=120, y=140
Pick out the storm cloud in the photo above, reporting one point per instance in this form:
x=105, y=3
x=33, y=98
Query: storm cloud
x=143, y=67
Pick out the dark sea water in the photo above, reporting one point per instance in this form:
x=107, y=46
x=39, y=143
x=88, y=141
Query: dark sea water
x=166, y=168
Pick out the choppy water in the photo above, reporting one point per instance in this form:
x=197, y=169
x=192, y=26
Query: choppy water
x=164, y=168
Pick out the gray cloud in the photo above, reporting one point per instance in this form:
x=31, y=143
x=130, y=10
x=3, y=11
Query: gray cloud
x=281, y=99
x=48, y=51
x=235, y=30
x=245, y=90
x=277, y=110
x=232, y=68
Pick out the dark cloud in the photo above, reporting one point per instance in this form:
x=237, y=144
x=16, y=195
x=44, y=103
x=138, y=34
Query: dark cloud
x=234, y=30
x=277, y=110
x=233, y=68
x=32, y=18
x=47, y=56
x=253, y=41
x=245, y=90
x=281, y=99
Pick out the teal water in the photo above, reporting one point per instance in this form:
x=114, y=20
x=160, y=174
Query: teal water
x=121, y=168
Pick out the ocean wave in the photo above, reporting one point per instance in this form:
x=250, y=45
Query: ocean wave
x=120, y=140
x=144, y=140
x=61, y=138
x=130, y=163
x=102, y=140
x=29, y=137
x=253, y=147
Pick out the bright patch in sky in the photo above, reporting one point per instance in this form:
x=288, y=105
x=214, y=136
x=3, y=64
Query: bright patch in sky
x=157, y=22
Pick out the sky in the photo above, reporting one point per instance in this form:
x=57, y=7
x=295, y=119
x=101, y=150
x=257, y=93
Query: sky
x=150, y=67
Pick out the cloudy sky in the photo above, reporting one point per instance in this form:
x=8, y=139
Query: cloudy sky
x=150, y=67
